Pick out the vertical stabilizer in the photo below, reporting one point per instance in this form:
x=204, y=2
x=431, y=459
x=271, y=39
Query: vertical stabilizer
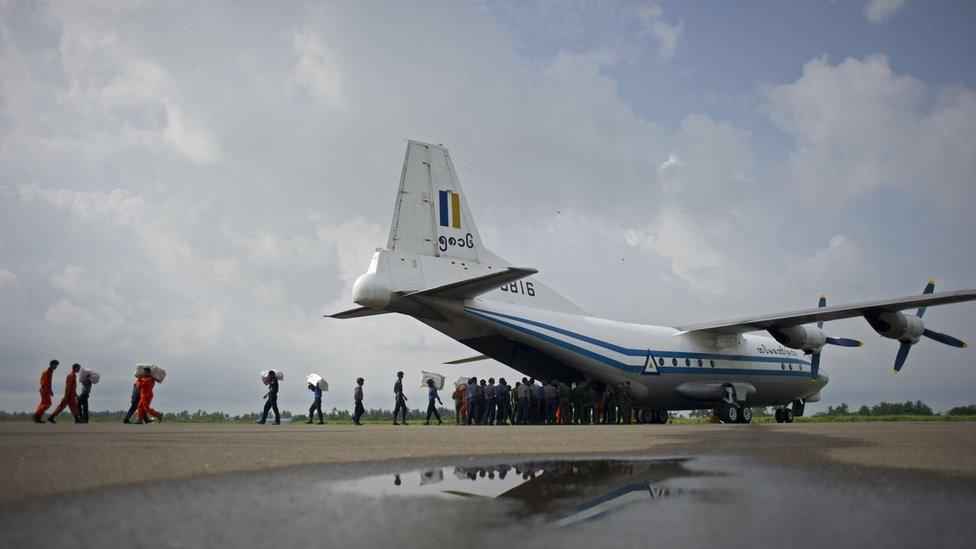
x=431, y=216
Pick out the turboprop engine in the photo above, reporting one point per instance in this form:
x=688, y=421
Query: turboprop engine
x=895, y=325
x=908, y=329
x=810, y=340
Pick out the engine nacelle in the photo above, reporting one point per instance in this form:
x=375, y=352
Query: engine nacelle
x=895, y=325
x=800, y=337
x=373, y=290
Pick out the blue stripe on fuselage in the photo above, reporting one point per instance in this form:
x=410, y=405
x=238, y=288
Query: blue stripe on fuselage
x=687, y=370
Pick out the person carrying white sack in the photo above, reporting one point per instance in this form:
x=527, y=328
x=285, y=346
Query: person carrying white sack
x=271, y=397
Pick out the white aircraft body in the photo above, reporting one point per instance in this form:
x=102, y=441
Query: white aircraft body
x=436, y=269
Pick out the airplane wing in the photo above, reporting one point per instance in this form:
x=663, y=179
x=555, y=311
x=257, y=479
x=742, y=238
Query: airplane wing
x=824, y=314
x=357, y=312
x=473, y=287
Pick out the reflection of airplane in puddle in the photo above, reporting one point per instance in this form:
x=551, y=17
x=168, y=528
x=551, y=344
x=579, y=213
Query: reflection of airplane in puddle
x=570, y=491
x=562, y=492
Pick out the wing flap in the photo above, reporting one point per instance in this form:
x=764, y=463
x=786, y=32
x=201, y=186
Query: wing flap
x=825, y=314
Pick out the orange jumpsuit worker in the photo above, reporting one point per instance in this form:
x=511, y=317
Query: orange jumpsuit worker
x=46, y=392
x=146, y=384
x=70, y=398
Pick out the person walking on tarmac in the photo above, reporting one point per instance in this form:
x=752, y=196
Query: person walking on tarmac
x=271, y=399
x=357, y=396
x=626, y=400
x=316, y=404
x=431, y=408
x=146, y=384
x=503, y=401
x=400, y=400
x=47, y=393
x=135, y=400
x=459, y=404
x=471, y=394
x=70, y=399
x=86, y=385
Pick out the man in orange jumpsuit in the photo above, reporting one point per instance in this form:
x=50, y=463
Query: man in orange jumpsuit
x=146, y=384
x=46, y=392
x=70, y=399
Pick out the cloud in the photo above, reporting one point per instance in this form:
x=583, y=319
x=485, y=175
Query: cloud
x=879, y=11
x=316, y=70
x=668, y=36
x=859, y=127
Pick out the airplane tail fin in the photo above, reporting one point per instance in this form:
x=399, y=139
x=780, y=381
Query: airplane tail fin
x=431, y=216
x=435, y=250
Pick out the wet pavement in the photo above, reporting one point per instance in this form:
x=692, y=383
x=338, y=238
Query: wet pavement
x=496, y=501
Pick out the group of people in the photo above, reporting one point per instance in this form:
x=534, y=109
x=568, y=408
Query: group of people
x=77, y=403
x=475, y=403
x=400, y=408
x=552, y=403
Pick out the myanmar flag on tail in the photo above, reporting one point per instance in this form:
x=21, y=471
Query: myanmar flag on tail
x=450, y=209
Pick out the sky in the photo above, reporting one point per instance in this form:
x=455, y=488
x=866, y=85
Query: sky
x=194, y=184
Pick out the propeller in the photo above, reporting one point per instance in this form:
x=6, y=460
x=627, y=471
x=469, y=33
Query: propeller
x=945, y=339
x=839, y=341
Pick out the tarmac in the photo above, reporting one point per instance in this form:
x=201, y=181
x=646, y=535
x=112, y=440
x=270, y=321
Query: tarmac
x=809, y=483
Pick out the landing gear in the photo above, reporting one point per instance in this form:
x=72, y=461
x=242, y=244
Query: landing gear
x=656, y=417
x=745, y=415
x=784, y=415
x=727, y=413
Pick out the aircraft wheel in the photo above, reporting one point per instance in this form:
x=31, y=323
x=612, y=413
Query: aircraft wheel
x=745, y=415
x=727, y=413
x=779, y=415
x=787, y=415
x=661, y=417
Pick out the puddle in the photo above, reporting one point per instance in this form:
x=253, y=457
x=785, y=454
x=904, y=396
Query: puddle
x=582, y=502
x=557, y=492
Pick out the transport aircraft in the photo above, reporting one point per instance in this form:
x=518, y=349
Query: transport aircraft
x=436, y=269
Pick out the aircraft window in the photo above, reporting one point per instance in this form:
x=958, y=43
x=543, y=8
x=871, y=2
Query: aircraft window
x=791, y=367
x=712, y=363
x=660, y=361
x=782, y=366
x=687, y=362
x=700, y=364
x=674, y=362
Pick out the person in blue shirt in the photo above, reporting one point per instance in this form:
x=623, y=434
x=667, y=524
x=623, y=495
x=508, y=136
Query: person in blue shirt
x=400, y=400
x=316, y=404
x=431, y=408
x=271, y=399
x=471, y=393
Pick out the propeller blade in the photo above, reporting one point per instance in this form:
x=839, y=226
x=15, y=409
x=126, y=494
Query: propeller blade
x=902, y=355
x=929, y=288
x=844, y=342
x=944, y=339
x=814, y=365
x=823, y=303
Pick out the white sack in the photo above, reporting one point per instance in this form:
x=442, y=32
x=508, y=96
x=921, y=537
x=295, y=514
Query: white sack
x=278, y=374
x=156, y=372
x=94, y=377
x=438, y=380
x=317, y=380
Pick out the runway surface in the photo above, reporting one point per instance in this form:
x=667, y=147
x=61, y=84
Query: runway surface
x=900, y=484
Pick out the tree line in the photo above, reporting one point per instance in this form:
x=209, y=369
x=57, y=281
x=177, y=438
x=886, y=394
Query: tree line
x=885, y=408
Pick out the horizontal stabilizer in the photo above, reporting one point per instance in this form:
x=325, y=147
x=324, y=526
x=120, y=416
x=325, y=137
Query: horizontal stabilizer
x=469, y=359
x=473, y=287
x=357, y=312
